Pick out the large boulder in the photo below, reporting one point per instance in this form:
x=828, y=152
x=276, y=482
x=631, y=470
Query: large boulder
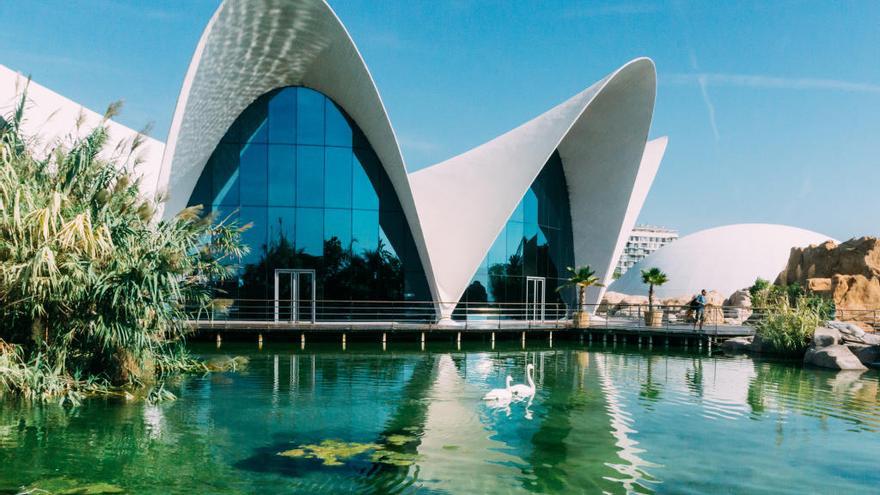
x=849, y=273
x=738, y=307
x=612, y=298
x=737, y=345
x=824, y=337
x=835, y=357
x=869, y=355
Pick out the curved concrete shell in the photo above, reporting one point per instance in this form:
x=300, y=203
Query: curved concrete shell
x=50, y=119
x=724, y=259
x=252, y=47
x=600, y=134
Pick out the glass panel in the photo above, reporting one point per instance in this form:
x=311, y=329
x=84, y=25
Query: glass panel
x=250, y=127
x=338, y=128
x=337, y=178
x=282, y=175
x=282, y=116
x=282, y=226
x=364, y=230
x=530, y=207
x=309, y=231
x=253, y=175
x=337, y=224
x=255, y=236
x=310, y=176
x=224, y=166
x=309, y=117
x=363, y=192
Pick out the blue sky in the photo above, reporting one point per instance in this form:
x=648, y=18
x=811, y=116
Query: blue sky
x=772, y=108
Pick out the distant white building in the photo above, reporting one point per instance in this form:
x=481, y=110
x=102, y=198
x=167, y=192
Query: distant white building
x=644, y=240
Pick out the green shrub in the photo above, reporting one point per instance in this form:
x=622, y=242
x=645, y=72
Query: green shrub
x=787, y=328
x=93, y=288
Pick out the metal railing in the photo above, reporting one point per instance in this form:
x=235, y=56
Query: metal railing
x=488, y=315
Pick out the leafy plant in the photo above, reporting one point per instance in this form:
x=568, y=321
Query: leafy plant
x=93, y=287
x=653, y=277
x=787, y=328
x=580, y=278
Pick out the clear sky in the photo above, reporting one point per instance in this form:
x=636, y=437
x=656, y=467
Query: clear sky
x=772, y=108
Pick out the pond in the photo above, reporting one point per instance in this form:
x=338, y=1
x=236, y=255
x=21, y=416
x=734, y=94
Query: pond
x=324, y=420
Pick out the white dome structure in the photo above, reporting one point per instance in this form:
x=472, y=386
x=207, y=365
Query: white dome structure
x=724, y=259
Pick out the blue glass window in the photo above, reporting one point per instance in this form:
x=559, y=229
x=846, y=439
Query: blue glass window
x=310, y=176
x=535, y=242
x=337, y=178
x=309, y=117
x=282, y=116
x=310, y=231
x=297, y=168
x=252, y=166
x=339, y=131
x=282, y=175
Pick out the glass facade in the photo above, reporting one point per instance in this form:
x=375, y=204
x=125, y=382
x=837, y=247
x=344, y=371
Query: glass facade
x=298, y=169
x=535, y=242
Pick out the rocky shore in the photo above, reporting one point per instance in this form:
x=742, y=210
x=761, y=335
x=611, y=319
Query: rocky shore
x=836, y=345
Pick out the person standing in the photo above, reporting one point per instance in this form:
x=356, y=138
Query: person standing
x=699, y=306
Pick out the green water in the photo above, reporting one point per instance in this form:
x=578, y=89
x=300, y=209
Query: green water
x=603, y=420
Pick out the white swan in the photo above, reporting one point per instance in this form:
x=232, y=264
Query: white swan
x=500, y=394
x=521, y=391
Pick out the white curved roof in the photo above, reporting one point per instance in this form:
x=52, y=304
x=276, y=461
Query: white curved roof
x=724, y=259
x=249, y=48
x=52, y=118
x=600, y=133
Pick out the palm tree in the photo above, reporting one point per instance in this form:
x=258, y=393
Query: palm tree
x=581, y=278
x=653, y=276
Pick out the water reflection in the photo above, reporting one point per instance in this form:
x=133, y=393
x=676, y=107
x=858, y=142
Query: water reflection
x=627, y=421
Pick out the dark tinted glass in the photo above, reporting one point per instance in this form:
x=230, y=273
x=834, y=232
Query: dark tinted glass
x=310, y=230
x=310, y=176
x=364, y=195
x=309, y=117
x=338, y=128
x=337, y=177
x=252, y=167
x=536, y=241
x=337, y=223
x=224, y=168
x=288, y=165
x=282, y=116
x=364, y=230
x=282, y=175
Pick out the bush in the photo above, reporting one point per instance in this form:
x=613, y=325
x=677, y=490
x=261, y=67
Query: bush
x=93, y=288
x=787, y=327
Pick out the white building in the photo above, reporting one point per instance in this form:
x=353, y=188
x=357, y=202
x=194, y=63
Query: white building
x=644, y=240
x=724, y=259
x=280, y=123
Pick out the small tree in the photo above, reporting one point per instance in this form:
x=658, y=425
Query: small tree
x=653, y=276
x=580, y=278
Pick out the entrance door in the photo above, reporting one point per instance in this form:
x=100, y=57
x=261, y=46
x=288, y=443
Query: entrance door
x=294, y=295
x=535, y=298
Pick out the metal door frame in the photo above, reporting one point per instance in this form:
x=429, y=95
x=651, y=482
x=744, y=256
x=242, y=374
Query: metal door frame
x=536, y=303
x=294, y=274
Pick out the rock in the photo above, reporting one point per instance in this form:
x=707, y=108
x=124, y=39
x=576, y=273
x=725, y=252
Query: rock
x=869, y=355
x=857, y=297
x=824, y=336
x=738, y=307
x=835, y=357
x=848, y=273
x=634, y=300
x=737, y=345
x=739, y=299
x=677, y=301
x=714, y=298
x=612, y=298
x=847, y=328
x=758, y=345
x=819, y=286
